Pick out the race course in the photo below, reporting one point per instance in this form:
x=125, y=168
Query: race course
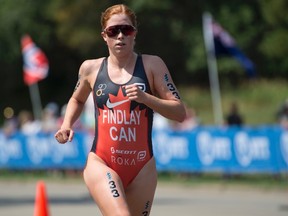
x=70, y=198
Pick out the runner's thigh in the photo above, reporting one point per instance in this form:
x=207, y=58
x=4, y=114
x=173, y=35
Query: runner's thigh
x=105, y=187
x=140, y=193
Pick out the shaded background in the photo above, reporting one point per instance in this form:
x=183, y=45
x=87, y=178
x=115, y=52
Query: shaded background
x=68, y=31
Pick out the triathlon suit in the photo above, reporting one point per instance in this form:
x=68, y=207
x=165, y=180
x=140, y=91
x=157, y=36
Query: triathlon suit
x=123, y=127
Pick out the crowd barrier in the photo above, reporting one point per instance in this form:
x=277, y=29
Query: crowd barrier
x=204, y=149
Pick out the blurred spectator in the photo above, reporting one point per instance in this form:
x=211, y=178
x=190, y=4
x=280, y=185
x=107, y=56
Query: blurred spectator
x=61, y=117
x=27, y=124
x=88, y=115
x=10, y=127
x=10, y=123
x=77, y=125
x=234, y=118
x=191, y=121
x=160, y=122
x=50, y=117
x=282, y=115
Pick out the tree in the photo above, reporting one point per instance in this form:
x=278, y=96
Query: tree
x=273, y=45
x=68, y=31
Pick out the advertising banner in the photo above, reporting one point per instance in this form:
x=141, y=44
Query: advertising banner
x=204, y=149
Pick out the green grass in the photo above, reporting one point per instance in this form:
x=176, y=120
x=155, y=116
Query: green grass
x=258, y=100
x=261, y=181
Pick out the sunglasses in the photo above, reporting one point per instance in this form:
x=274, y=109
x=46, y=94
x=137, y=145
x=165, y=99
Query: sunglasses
x=113, y=31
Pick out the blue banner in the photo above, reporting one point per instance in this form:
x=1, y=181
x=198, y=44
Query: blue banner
x=42, y=151
x=229, y=150
x=204, y=149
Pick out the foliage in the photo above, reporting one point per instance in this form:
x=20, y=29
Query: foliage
x=69, y=31
x=273, y=46
x=258, y=100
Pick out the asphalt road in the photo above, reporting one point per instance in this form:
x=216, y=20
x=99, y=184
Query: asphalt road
x=70, y=198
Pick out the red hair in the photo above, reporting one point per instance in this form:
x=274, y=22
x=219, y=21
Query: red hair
x=118, y=9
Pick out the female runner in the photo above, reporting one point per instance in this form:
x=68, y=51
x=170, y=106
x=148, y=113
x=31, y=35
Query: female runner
x=120, y=173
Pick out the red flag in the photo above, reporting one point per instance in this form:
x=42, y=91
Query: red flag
x=36, y=65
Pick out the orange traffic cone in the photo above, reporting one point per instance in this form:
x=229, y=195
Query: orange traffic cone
x=41, y=204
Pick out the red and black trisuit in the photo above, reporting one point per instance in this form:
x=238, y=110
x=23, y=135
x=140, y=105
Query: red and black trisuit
x=123, y=127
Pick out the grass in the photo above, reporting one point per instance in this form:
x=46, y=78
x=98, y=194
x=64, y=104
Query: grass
x=258, y=100
x=261, y=181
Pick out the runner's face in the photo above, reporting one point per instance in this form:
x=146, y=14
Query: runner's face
x=120, y=42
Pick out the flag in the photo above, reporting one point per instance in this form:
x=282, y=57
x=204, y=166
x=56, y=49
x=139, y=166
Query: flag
x=35, y=65
x=226, y=45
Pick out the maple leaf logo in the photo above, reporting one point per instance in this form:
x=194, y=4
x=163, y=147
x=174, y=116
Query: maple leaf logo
x=120, y=101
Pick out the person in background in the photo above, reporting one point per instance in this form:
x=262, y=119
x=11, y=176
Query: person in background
x=10, y=127
x=50, y=117
x=234, y=118
x=282, y=115
x=191, y=121
x=127, y=87
x=87, y=117
x=27, y=124
x=77, y=125
x=160, y=122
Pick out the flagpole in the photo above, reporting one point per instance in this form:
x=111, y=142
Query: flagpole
x=35, y=68
x=212, y=68
x=36, y=100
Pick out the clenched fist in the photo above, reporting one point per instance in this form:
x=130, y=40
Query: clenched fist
x=64, y=135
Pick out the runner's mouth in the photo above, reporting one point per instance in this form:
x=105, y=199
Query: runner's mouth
x=120, y=44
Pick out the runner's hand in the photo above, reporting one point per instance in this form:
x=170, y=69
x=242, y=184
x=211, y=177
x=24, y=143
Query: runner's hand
x=134, y=93
x=64, y=135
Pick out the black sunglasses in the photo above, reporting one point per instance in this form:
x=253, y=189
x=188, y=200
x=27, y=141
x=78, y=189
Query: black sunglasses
x=113, y=31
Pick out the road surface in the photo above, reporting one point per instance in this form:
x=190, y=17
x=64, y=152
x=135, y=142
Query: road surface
x=71, y=198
